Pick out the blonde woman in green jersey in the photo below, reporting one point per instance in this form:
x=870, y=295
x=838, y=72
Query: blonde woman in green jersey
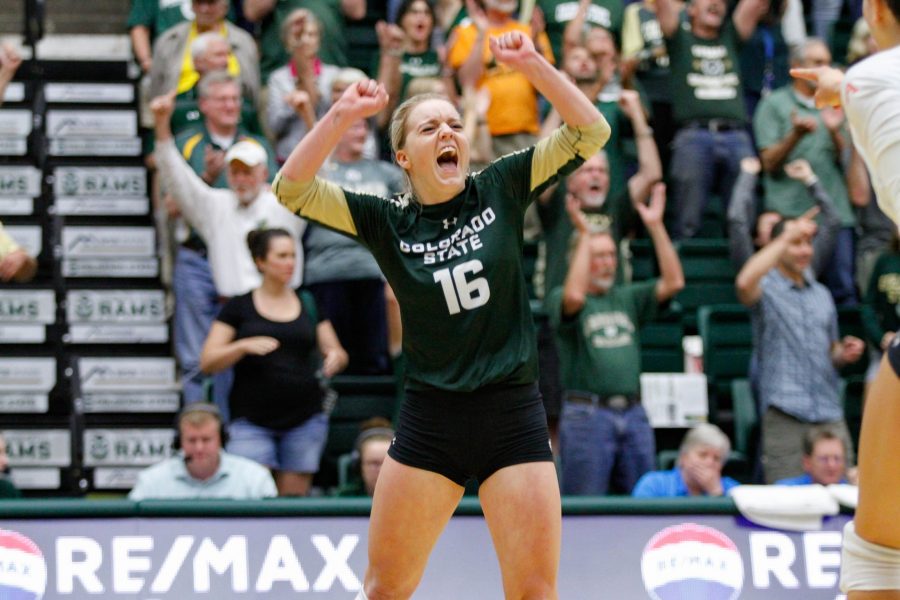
x=451, y=250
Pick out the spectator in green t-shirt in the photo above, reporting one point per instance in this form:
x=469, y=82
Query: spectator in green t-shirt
x=606, y=442
x=606, y=14
x=708, y=102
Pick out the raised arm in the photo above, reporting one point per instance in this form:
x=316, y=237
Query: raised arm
x=747, y=15
x=649, y=166
x=669, y=16
x=748, y=283
x=671, y=279
x=391, y=41
x=829, y=222
x=9, y=64
x=742, y=212
x=517, y=50
x=578, y=278
x=359, y=101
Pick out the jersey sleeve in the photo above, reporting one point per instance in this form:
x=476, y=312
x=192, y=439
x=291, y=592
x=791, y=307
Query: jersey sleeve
x=361, y=217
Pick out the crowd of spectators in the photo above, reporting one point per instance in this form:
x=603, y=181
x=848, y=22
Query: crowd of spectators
x=697, y=95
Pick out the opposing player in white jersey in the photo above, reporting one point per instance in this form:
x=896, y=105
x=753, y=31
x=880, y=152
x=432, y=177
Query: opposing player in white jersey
x=870, y=96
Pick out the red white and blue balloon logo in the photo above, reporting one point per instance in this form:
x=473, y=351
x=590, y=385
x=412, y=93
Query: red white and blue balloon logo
x=692, y=561
x=23, y=572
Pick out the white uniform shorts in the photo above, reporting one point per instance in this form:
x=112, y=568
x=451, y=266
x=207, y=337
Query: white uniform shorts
x=866, y=566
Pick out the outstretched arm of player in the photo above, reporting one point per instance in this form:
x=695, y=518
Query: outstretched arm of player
x=359, y=101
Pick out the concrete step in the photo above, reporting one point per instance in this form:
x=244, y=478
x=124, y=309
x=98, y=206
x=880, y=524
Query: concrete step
x=70, y=16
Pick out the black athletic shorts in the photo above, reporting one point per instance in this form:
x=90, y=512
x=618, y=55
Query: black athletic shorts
x=466, y=435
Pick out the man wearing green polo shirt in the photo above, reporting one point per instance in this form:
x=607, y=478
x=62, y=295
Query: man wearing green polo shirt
x=606, y=441
x=788, y=126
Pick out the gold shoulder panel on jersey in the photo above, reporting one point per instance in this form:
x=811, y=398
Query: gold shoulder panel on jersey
x=317, y=199
x=561, y=146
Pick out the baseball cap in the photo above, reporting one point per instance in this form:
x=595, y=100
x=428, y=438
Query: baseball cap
x=248, y=152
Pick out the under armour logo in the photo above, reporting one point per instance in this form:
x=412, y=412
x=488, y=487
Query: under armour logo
x=449, y=222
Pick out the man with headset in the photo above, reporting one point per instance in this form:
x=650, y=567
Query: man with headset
x=202, y=469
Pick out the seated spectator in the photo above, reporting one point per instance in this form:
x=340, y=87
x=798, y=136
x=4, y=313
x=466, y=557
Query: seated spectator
x=707, y=100
x=788, y=126
x=606, y=441
x=220, y=218
x=8, y=490
x=299, y=91
x=173, y=66
x=702, y=456
x=15, y=264
x=202, y=469
x=282, y=353
x=10, y=61
x=270, y=15
x=795, y=340
x=513, y=117
x=405, y=53
x=824, y=459
x=342, y=274
x=744, y=238
x=369, y=452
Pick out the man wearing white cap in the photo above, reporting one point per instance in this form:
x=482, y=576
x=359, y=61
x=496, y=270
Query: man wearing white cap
x=223, y=217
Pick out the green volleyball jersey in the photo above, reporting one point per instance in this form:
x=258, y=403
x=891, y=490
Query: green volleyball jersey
x=456, y=267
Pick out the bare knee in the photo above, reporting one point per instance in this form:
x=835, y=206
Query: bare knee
x=381, y=588
x=534, y=588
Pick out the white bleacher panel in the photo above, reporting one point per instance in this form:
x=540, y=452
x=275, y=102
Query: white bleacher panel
x=116, y=478
x=140, y=384
x=26, y=383
x=104, y=191
x=116, y=316
x=15, y=92
x=38, y=447
x=38, y=478
x=15, y=127
x=115, y=447
x=24, y=315
x=109, y=252
x=19, y=186
x=100, y=93
x=93, y=132
x=30, y=237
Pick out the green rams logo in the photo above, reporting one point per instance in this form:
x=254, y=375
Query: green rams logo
x=84, y=307
x=70, y=184
x=98, y=447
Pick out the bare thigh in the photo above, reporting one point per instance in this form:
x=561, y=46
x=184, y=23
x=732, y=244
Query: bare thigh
x=410, y=509
x=522, y=506
x=875, y=595
x=877, y=518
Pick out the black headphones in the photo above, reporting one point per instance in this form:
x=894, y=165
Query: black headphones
x=199, y=407
x=365, y=435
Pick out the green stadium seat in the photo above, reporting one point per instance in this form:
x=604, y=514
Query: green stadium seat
x=746, y=422
x=643, y=260
x=727, y=346
x=706, y=260
x=695, y=295
x=661, y=350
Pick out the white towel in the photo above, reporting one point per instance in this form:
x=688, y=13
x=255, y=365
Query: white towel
x=845, y=494
x=795, y=508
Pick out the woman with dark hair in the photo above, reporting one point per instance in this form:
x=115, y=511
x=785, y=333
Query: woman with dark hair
x=451, y=249
x=281, y=352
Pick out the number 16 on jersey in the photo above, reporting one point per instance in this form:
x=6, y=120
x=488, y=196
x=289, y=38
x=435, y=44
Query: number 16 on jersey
x=460, y=292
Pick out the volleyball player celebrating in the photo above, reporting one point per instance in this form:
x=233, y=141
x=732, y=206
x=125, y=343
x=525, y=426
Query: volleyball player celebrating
x=870, y=96
x=451, y=251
